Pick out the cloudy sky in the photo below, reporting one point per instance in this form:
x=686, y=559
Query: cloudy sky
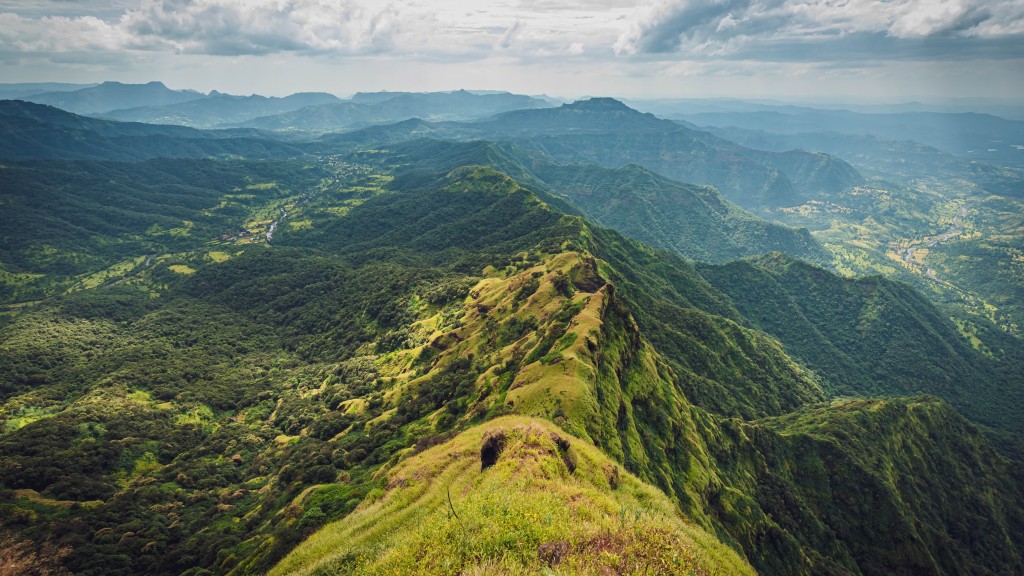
x=808, y=50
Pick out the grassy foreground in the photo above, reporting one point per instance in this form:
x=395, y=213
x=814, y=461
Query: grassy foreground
x=550, y=503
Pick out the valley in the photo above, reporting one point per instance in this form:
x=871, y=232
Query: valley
x=252, y=352
x=950, y=239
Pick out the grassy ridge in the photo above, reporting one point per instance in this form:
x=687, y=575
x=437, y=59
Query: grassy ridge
x=547, y=501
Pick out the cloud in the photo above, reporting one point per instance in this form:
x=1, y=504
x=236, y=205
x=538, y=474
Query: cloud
x=844, y=29
x=510, y=35
x=229, y=27
x=215, y=27
x=461, y=30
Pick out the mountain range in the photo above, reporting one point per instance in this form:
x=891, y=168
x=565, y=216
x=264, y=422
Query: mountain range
x=513, y=344
x=605, y=132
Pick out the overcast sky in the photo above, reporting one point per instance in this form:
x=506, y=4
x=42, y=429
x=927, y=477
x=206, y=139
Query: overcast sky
x=839, y=50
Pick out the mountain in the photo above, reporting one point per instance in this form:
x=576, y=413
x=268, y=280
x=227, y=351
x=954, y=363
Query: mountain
x=113, y=96
x=363, y=355
x=403, y=344
x=981, y=137
x=592, y=116
x=872, y=336
x=18, y=91
x=218, y=110
x=34, y=131
x=392, y=107
x=693, y=221
x=605, y=132
x=752, y=179
x=902, y=161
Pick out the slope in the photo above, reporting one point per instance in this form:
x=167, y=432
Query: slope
x=693, y=221
x=35, y=131
x=252, y=400
x=872, y=336
x=113, y=96
x=72, y=223
x=217, y=110
x=457, y=105
x=505, y=475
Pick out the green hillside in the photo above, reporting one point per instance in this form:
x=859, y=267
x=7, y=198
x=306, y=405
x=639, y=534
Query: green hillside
x=34, y=132
x=873, y=336
x=695, y=222
x=214, y=409
x=513, y=496
x=70, y=225
x=605, y=132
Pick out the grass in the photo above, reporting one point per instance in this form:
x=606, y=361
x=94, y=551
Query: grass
x=28, y=415
x=550, y=504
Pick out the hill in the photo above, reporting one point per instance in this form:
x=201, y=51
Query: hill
x=872, y=336
x=605, y=132
x=113, y=96
x=34, y=131
x=693, y=221
x=213, y=410
x=218, y=110
x=392, y=107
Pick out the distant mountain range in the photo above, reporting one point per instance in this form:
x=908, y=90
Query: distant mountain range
x=605, y=132
x=35, y=131
x=155, y=103
x=973, y=136
x=22, y=90
x=367, y=109
x=417, y=347
x=218, y=110
x=113, y=96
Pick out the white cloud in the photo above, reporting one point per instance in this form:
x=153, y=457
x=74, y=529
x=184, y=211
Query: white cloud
x=793, y=29
x=671, y=46
x=260, y=26
x=445, y=29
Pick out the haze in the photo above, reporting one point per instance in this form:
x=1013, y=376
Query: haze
x=852, y=51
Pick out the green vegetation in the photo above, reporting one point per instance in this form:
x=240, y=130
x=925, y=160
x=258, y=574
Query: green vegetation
x=949, y=237
x=872, y=336
x=513, y=496
x=83, y=224
x=313, y=391
x=693, y=221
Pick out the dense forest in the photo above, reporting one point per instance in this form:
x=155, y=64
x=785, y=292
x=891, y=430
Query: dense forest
x=342, y=355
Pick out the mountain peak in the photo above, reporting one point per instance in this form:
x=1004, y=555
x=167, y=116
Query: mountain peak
x=602, y=104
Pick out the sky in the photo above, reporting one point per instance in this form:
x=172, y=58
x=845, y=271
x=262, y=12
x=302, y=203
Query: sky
x=797, y=50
